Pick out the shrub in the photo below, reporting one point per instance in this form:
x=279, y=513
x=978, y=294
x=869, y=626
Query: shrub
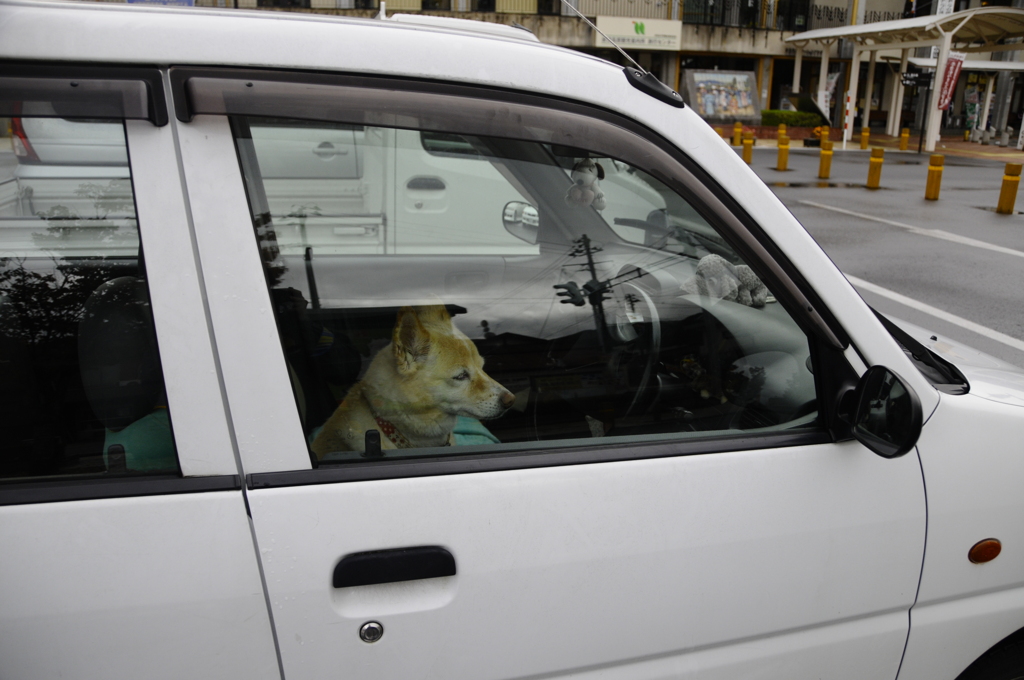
x=773, y=117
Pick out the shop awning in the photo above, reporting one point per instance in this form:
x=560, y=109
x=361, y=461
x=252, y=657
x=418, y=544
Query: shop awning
x=973, y=30
x=969, y=64
x=983, y=29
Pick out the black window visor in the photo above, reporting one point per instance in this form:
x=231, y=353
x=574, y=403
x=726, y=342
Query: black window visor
x=82, y=92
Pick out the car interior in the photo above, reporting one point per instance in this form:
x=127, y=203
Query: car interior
x=630, y=320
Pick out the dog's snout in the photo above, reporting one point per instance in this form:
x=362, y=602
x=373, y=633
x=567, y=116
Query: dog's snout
x=507, y=399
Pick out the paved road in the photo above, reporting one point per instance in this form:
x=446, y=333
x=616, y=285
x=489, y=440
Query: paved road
x=954, y=256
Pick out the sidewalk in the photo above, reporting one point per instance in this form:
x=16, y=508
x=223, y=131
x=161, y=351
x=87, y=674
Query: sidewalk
x=948, y=145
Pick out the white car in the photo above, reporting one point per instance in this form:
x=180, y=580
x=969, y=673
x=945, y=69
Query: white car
x=719, y=462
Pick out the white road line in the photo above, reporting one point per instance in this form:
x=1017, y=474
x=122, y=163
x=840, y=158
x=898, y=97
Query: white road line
x=934, y=233
x=938, y=313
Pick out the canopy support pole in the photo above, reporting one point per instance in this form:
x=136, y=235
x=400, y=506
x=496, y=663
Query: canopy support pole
x=796, y=69
x=869, y=89
x=851, y=95
x=986, y=106
x=896, y=101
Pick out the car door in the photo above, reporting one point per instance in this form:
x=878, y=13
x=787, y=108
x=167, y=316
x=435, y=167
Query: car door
x=126, y=545
x=664, y=497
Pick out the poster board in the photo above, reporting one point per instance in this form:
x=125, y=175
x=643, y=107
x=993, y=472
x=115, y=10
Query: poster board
x=724, y=96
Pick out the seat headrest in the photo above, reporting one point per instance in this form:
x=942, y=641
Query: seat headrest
x=117, y=353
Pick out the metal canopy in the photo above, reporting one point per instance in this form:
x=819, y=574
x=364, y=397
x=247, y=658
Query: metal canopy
x=973, y=30
x=983, y=29
x=969, y=64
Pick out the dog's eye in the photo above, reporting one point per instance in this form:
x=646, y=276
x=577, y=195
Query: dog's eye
x=461, y=376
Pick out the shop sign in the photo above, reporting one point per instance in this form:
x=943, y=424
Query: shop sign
x=639, y=34
x=916, y=79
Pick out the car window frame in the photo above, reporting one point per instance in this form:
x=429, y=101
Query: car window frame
x=826, y=338
x=145, y=128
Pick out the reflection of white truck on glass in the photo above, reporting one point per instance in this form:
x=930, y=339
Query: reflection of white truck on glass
x=345, y=204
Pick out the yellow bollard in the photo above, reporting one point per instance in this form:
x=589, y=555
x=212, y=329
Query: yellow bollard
x=931, y=188
x=720, y=132
x=1008, y=194
x=737, y=133
x=748, y=147
x=875, y=167
x=782, y=130
x=825, y=164
x=904, y=138
x=865, y=137
x=783, y=163
x=826, y=133
x=967, y=135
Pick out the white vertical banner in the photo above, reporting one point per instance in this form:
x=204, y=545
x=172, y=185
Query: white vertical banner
x=941, y=7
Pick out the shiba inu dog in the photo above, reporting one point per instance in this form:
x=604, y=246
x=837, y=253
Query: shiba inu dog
x=415, y=387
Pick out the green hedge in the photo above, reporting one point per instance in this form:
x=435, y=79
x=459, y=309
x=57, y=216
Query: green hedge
x=773, y=117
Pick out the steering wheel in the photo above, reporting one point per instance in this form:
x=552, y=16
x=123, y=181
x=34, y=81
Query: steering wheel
x=649, y=344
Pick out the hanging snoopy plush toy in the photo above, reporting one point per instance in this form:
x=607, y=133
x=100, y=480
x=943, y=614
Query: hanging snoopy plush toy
x=585, y=190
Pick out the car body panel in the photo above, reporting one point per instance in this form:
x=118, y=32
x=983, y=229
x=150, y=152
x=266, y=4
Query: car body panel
x=969, y=502
x=608, y=563
x=167, y=586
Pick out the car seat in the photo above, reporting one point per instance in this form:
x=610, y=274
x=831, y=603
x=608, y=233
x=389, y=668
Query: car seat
x=122, y=378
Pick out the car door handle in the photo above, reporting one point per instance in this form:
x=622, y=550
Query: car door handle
x=425, y=184
x=327, y=151
x=392, y=566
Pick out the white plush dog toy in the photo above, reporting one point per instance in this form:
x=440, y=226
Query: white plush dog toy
x=585, y=189
x=718, y=279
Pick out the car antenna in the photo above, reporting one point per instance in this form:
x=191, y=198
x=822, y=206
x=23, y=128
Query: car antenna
x=638, y=77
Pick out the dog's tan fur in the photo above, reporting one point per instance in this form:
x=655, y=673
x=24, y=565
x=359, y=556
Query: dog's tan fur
x=429, y=374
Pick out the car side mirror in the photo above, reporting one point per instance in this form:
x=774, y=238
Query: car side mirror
x=522, y=221
x=884, y=412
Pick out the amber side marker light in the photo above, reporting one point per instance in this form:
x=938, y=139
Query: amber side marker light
x=985, y=551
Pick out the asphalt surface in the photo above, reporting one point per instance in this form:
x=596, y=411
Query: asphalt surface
x=955, y=256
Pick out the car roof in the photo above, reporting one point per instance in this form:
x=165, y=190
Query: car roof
x=436, y=48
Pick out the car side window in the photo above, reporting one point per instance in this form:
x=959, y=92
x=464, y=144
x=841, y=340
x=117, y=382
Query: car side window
x=604, y=308
x=82, y=385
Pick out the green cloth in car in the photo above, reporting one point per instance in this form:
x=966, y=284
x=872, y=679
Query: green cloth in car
x=469, y=431
x=148, y=443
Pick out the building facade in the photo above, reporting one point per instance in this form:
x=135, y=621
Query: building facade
x=673, y=38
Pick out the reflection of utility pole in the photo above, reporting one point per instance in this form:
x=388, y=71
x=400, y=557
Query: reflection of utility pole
x=594, y=289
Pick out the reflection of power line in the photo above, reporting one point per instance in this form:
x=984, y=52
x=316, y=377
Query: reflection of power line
x=595, y=290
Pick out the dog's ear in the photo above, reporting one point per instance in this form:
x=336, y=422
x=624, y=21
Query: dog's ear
x=410, y=341
x=600, y=171
x=433, y=314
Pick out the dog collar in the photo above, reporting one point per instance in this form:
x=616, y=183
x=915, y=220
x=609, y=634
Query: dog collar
x=397, y=438
x=391, y=432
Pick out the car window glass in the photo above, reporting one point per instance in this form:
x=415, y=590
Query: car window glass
x=448, y=293
x=82, y=384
